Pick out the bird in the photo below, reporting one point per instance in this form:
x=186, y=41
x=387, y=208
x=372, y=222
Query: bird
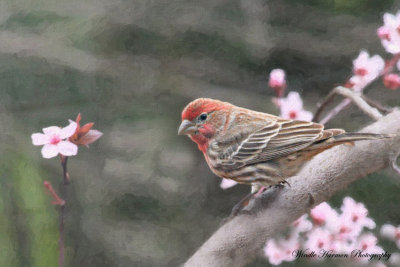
x=256, y=148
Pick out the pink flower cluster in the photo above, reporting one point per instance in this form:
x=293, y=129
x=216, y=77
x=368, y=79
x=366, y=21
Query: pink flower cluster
x=328, y=230
x=366, y=69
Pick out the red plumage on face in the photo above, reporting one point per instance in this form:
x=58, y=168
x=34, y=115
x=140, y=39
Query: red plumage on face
x=201, y=105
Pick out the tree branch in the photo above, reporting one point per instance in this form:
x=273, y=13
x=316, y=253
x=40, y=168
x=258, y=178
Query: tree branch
x=239, y=240
x=357, y=99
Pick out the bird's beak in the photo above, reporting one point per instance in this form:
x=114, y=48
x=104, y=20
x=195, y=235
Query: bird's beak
x=187, y=127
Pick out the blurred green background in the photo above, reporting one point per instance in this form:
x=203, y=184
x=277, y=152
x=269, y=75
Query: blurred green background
x=141, y=195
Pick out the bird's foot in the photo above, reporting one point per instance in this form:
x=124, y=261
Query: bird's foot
x=282, y=183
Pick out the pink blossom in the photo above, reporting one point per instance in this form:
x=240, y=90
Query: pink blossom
x=389, y=33
x=343, y=246
x=365, y=69
x=352, y=220
x=54, y=141
x=391, y=81
x=345, y=231
x=273, y=252
x=319, y=238
x=227, y=183
x=356, y=213
x=279, y=250
x=323, y=214
x=292, y=108
x=301, y=225
x=391, y=232
x=367, y=243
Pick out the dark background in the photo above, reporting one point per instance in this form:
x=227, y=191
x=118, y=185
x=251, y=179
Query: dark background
x=141, y=195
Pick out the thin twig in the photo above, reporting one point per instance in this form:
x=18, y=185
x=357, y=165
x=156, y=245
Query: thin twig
x=321, y=106
x=376, y=105
x=341, y=106
x=389, y=65
x=352, y=96
x=63, y=190
x=359, y=101
x=61, y=240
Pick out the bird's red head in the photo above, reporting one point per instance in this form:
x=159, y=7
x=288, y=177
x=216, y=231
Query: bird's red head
x=201, y=119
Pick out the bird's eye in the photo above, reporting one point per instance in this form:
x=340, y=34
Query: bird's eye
x=203, y=117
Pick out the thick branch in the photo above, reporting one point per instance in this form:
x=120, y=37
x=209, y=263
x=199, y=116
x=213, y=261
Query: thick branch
x=239, y=240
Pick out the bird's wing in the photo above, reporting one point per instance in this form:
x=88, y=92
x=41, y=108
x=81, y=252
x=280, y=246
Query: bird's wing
x=276, y=139
x=292, y=136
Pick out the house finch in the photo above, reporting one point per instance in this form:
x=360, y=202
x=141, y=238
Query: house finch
x=256, y=148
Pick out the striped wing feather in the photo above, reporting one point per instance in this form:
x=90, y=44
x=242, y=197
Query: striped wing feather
x=277, y=139
x=292, y=136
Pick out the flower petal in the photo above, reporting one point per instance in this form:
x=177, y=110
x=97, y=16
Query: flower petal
x=294, y=100
x=389, y=20
x=49, y=151
x=52, y=130
x=90, y=137
x=227, y=183
x=68, y=130
x=86, y=128
x=388, y=231
x=67, y=148
x=39, y=139
x=305, y=115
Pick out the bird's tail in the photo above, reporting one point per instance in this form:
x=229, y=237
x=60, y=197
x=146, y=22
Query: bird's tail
x=351, y=137
x=340, y=137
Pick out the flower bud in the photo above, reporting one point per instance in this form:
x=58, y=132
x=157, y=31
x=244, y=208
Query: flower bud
x=391, y=81
x=277, y=81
